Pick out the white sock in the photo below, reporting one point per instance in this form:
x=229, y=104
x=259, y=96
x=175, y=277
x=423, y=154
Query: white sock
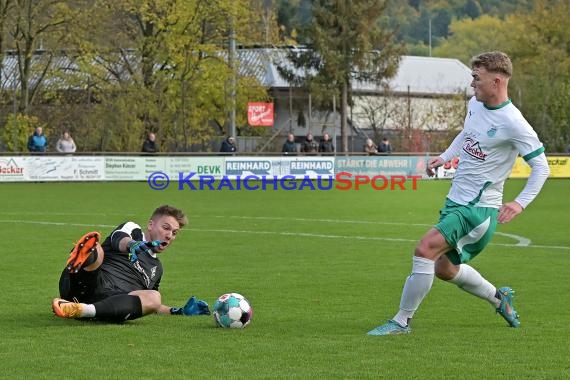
x=416, y=288
x=88, y=310
x=472, y=282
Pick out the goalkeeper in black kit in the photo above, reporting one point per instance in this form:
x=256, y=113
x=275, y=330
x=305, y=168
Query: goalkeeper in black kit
x=119, y=279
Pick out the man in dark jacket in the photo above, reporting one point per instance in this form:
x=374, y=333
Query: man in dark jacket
x=326, y=146
x=229, y=145
x=309, y=147
x=37, y=143
x=385, y=146
x=149, y=145
x=289, y=147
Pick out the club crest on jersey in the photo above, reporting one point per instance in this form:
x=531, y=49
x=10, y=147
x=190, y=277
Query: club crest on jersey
x=153, y=272
x=472, y=148
x=491, y=132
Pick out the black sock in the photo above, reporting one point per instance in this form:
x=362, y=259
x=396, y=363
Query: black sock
x=119, y=308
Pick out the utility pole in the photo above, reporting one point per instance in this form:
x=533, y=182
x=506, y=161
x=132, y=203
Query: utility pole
x=429, y=30
x=231, y=62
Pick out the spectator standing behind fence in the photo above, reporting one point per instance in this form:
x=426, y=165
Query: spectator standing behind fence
x=326, y=146
x=65, y=144
x=309, y=146
x=150, y=145
x=37, y=143
x=289, y=147
x=385, y=146
x=228, y=145
x=370, y=148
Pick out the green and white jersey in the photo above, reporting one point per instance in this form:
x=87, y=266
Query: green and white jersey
x=487, y=147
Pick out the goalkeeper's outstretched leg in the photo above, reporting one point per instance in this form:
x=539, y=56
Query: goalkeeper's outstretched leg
x=117, y=308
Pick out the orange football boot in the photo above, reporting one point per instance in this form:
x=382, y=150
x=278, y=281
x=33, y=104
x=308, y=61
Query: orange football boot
x=82, y=250
x=66, y=309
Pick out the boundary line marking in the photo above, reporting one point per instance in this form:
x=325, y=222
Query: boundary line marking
x=522, y=242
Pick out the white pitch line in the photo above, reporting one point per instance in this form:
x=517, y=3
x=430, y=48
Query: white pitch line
x=521, y=241
x=316, y=220
x=281, y=233
x=36, y=213
x=57, y=223
x=304, y=234
x=355, y=237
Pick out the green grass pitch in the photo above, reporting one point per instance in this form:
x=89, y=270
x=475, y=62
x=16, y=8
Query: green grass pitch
x=320, y=268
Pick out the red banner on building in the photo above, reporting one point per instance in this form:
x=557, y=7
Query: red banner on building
x=260, y=114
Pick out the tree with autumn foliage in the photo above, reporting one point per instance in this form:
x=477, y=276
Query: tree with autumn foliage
x=537, y=42
x=166, y=69
x=541, y=59
x=345, y=44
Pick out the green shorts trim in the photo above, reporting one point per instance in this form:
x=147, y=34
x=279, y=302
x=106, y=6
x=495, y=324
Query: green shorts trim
x=468, y=229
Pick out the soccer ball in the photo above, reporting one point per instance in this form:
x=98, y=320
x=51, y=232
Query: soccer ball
x=232, y=310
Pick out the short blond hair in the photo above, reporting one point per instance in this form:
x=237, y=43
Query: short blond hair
x=495, y=62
